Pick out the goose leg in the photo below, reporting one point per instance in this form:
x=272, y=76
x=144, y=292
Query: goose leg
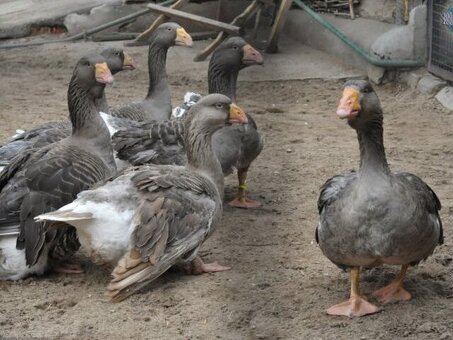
x=395, y=291
x=197, y=266
x=241, y=201
x=356, y=305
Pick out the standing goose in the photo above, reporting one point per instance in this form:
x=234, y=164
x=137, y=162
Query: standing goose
x=373, y=216
x=157, y=103
x=42, y=180
x=50, y=132
x=236, y=145
x=152, y=217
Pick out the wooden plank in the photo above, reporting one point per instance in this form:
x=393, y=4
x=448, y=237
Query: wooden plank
x=272, y=46
x=143, y=38
x=15, y=14
x=239, y=20
x=206, y=22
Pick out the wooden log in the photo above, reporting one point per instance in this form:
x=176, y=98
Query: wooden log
x=272, y=46
x=239, y=20
x=210, y=23
x=143, y=38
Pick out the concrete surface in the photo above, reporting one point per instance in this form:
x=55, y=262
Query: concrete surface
x=430, y=84
x=377, y=10
x=16, y=16
x=412, y=78
x=445, y=97
x=294, y=62
x=76, y=23
x=364, y=32
x=404, y=42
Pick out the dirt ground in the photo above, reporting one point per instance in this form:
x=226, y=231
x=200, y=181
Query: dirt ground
x=280, y=284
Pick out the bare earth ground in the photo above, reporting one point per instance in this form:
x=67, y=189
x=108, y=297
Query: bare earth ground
x=280, y=283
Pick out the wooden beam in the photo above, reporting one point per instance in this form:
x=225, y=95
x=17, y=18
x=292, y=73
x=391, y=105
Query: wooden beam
x=351, y=9
x=213, y=24
x=272, y=46
x=239, y=20
x=143, y=38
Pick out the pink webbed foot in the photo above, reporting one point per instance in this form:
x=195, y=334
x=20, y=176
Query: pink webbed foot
x=197, y=266
x=68, y=268
x=354, y=307
x=244, y=203
x=392, y=293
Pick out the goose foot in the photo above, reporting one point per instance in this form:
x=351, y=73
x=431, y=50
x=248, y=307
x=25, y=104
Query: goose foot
x=241, y=201
x=244, y=203
x=197, y=266
x=68, y=268
x=392, y=293
x=354, y=307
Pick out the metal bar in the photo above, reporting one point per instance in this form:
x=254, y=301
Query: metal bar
x=214, y=24
x=386, y=63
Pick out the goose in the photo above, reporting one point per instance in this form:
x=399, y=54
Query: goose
x=42, y=180
x=374, y=216
x=50, y=132
x=152, y=217
x=157, y=103
x=235, y=145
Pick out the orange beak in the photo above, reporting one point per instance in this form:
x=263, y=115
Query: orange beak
x=183, y=38
x=128, y=62
x=103, y=74
x=237, y=115
x=349, y=106
x=251, y=56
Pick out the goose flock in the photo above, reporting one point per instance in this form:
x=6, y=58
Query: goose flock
x=140, y=191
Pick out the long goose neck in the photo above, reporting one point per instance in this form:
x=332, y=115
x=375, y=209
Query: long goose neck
x=157, y=59
x=201, y=158
x=372, y=151
x=83, y=113
x=222, y=80
x=101, y=103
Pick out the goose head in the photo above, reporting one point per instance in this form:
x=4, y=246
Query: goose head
x=235, y=52
x=213, y=112
x=92, y=74
x=118, y=60
x=359, y=104
x=170, y=34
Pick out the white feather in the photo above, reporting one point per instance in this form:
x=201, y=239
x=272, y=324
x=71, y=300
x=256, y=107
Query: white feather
x=12, y=261
x=104, y=236
x=108, y=119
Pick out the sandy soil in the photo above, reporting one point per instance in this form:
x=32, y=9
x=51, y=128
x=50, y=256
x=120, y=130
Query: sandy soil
x=280, y=283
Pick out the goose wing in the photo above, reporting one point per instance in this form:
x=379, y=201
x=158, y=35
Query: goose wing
x=53, y=181
x=174, y=217
x=426, y=197
x=152, y=142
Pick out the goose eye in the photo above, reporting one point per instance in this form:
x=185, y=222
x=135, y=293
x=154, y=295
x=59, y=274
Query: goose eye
x=235, y=48
x=219, y=105
x=87, y=63
x=169, y=29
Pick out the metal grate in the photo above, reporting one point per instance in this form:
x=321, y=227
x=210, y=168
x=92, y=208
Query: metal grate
x=440, y=25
